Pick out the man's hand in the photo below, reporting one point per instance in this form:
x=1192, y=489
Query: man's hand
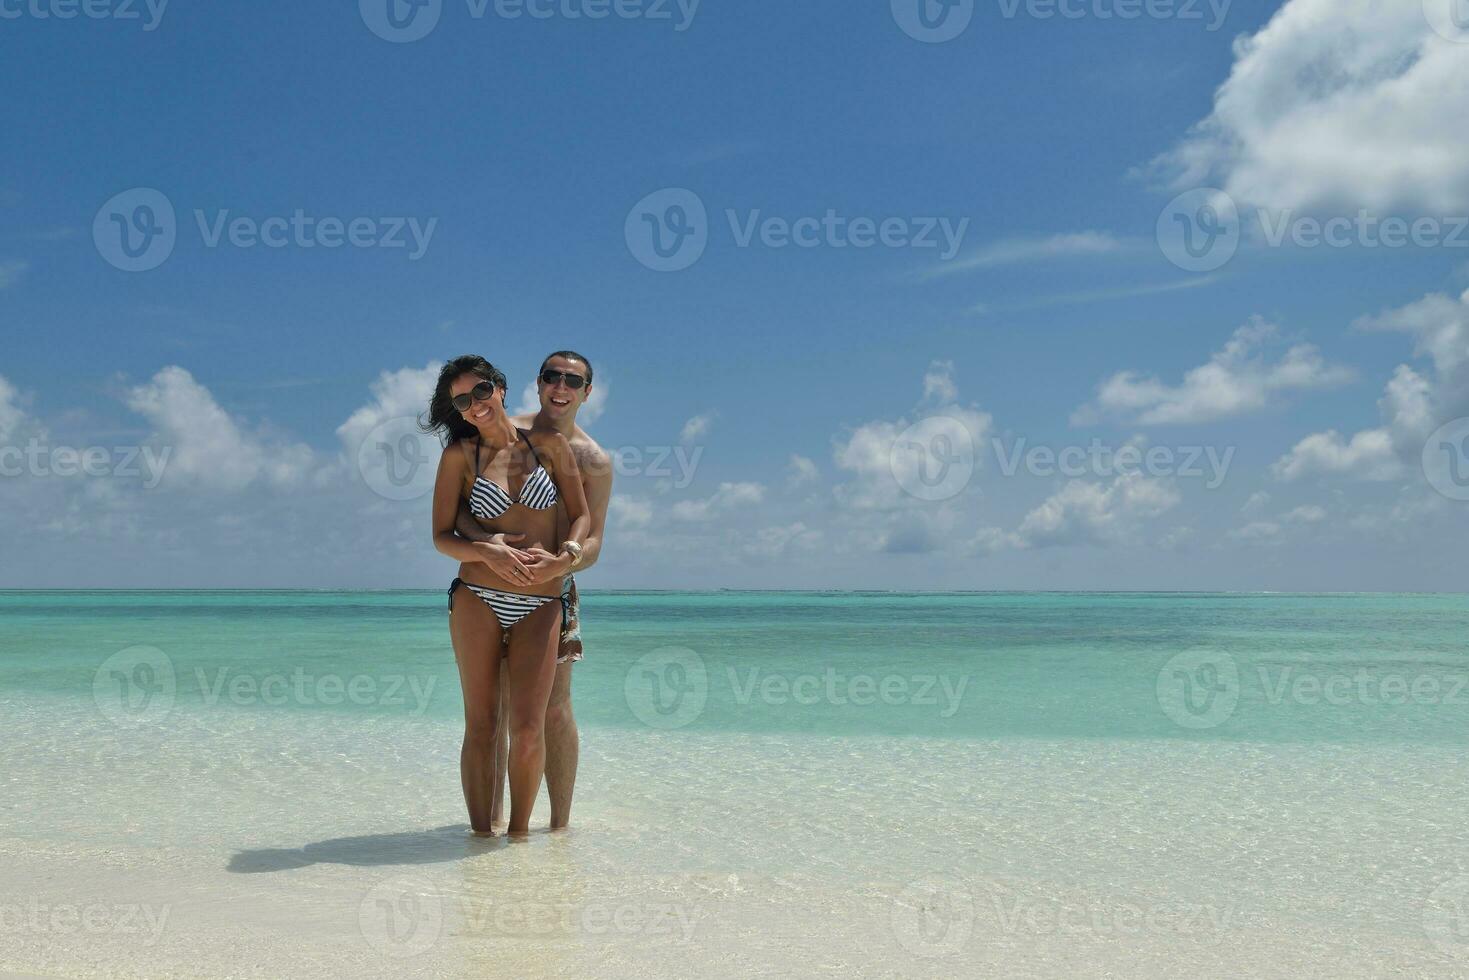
x=469, y=528
x=509, y=563
x=543, y=566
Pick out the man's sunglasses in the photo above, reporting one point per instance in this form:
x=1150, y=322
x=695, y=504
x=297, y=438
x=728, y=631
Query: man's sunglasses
x=573, y=381
x=481, y=392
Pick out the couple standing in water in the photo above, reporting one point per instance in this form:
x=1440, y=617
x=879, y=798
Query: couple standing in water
x=521, y=502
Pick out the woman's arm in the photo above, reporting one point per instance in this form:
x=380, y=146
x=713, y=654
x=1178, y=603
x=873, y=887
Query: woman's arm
x=502, y=559
x=567, y=476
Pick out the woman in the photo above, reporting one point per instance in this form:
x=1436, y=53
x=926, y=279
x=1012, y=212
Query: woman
x=512, y=479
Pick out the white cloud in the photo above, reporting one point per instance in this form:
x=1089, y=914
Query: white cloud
x=1013, y=250
x=206, y=445
x=1256, y=503
x=1368, y=454
x=402, y=394
x=629, y=512
x=1237, y=379
x=1412, y=405
x=727, y=497
x=938, y=383
x=696, y=428
x=1270, y=531
x=880, y=472
x=1086, y=513
x=1083, y=513
x=1337, y=103
x=12, y=416
x=802, y=471
x=1308, y=514
x=775, y=542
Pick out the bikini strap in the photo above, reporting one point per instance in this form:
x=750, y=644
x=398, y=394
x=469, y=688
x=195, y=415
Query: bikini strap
x=477, y=440
x=532, y=448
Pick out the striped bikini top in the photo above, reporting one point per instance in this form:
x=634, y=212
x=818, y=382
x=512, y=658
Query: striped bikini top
x=488, y=501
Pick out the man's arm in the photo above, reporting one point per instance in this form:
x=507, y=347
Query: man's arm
x=470, y=529
x=597, y=481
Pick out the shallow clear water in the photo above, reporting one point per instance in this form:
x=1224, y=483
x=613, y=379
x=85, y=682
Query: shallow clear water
x=772, y=784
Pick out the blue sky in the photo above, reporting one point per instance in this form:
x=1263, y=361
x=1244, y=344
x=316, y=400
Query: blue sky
x=521, y=148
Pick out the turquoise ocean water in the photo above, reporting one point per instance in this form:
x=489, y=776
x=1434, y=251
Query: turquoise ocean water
x=1019, y=784
x=995, y=665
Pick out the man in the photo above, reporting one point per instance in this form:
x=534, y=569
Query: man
x=563, y=384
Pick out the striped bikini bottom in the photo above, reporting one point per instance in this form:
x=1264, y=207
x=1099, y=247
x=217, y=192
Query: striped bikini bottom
x=510, y=607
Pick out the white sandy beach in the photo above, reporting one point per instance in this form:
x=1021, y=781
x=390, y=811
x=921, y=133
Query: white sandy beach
x=253, y=844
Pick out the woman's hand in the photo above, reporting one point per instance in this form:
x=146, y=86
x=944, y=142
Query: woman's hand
x=509, y=563
x=546, y=567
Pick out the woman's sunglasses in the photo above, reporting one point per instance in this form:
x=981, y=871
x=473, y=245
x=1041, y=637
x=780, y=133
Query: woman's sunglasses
x=481, y=392
x=573, y=381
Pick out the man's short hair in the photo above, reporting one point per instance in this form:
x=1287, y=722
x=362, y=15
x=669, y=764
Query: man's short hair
x=570, y=355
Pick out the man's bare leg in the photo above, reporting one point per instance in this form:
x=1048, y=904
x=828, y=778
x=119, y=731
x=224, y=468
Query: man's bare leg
x=502, y=753
x=563, y=748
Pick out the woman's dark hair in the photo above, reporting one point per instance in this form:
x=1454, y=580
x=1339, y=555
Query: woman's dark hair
x=443, y=418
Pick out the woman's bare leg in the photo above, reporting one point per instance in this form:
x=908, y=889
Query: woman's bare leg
x=532, y=671
x=478, y=650
x=502, y=747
